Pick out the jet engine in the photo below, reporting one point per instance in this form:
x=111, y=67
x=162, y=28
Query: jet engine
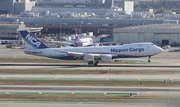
x=88, y=57
x=106, y=58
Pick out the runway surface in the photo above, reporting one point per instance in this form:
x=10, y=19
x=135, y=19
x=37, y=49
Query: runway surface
x=72, y=66
x=80, y=104
x=166, y=61
x=144, y=77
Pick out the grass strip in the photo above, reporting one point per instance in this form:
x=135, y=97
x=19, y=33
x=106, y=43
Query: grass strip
x=87, y=98
x=88, y=83
x=79, y=71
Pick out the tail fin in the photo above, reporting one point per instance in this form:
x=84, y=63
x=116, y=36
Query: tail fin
x=31, y=41
x=77, y=38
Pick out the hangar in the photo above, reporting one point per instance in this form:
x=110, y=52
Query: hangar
x=161, y=34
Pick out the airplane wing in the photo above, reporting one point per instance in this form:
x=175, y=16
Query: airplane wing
x=80, y=55
x=74, y=53
x=9, y=40
x=32, y=51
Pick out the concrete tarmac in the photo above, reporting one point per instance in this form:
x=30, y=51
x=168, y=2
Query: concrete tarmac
x=82, y=105
x=70, y=66
x=149, y=77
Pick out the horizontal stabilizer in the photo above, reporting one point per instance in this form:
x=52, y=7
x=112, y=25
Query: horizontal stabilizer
x=32, y=52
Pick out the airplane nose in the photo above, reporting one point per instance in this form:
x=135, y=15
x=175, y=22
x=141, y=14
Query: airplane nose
x=160, y=49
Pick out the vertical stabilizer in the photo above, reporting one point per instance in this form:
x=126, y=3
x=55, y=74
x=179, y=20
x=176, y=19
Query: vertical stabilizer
x=77, y=38
x=31, y=41
x=78, y=42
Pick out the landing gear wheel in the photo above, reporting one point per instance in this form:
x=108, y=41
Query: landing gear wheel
x=149, y=60
x=90, y=63
x=96, y=63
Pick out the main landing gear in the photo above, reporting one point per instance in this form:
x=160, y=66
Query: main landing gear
x=149, y=60
x=90, y=63
x=95, y=63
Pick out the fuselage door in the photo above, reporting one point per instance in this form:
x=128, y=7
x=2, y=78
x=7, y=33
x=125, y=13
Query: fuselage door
x=148, y=46
x=151, y=48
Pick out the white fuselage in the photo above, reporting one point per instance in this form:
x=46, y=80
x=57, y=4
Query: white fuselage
x=86, y=41
x=122, y=51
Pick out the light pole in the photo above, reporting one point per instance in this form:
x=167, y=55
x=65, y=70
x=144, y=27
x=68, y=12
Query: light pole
x=168, y=81
x=60, y=27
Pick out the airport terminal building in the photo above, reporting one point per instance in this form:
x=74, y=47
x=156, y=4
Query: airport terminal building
x=9, y=31
x=162, y=34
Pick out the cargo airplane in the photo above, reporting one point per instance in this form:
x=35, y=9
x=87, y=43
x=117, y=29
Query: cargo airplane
x=90, y=54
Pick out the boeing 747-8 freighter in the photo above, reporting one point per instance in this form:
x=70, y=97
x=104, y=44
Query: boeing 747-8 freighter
x=90, y=54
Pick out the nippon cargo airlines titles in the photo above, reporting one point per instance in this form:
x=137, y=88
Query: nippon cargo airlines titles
x=127, y=50
x=92, y=55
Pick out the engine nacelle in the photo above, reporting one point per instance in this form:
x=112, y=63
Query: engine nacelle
x=88, y=57
x=106, y=58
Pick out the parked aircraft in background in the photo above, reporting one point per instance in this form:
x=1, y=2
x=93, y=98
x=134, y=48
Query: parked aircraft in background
x=78, y=42
x=90, y=54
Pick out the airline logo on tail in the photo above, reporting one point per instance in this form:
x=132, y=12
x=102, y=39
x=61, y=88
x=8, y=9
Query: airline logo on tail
x=33, y=40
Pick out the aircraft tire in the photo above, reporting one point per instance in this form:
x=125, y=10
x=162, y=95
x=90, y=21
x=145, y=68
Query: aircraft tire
x=96, y=63
x=90, y=63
